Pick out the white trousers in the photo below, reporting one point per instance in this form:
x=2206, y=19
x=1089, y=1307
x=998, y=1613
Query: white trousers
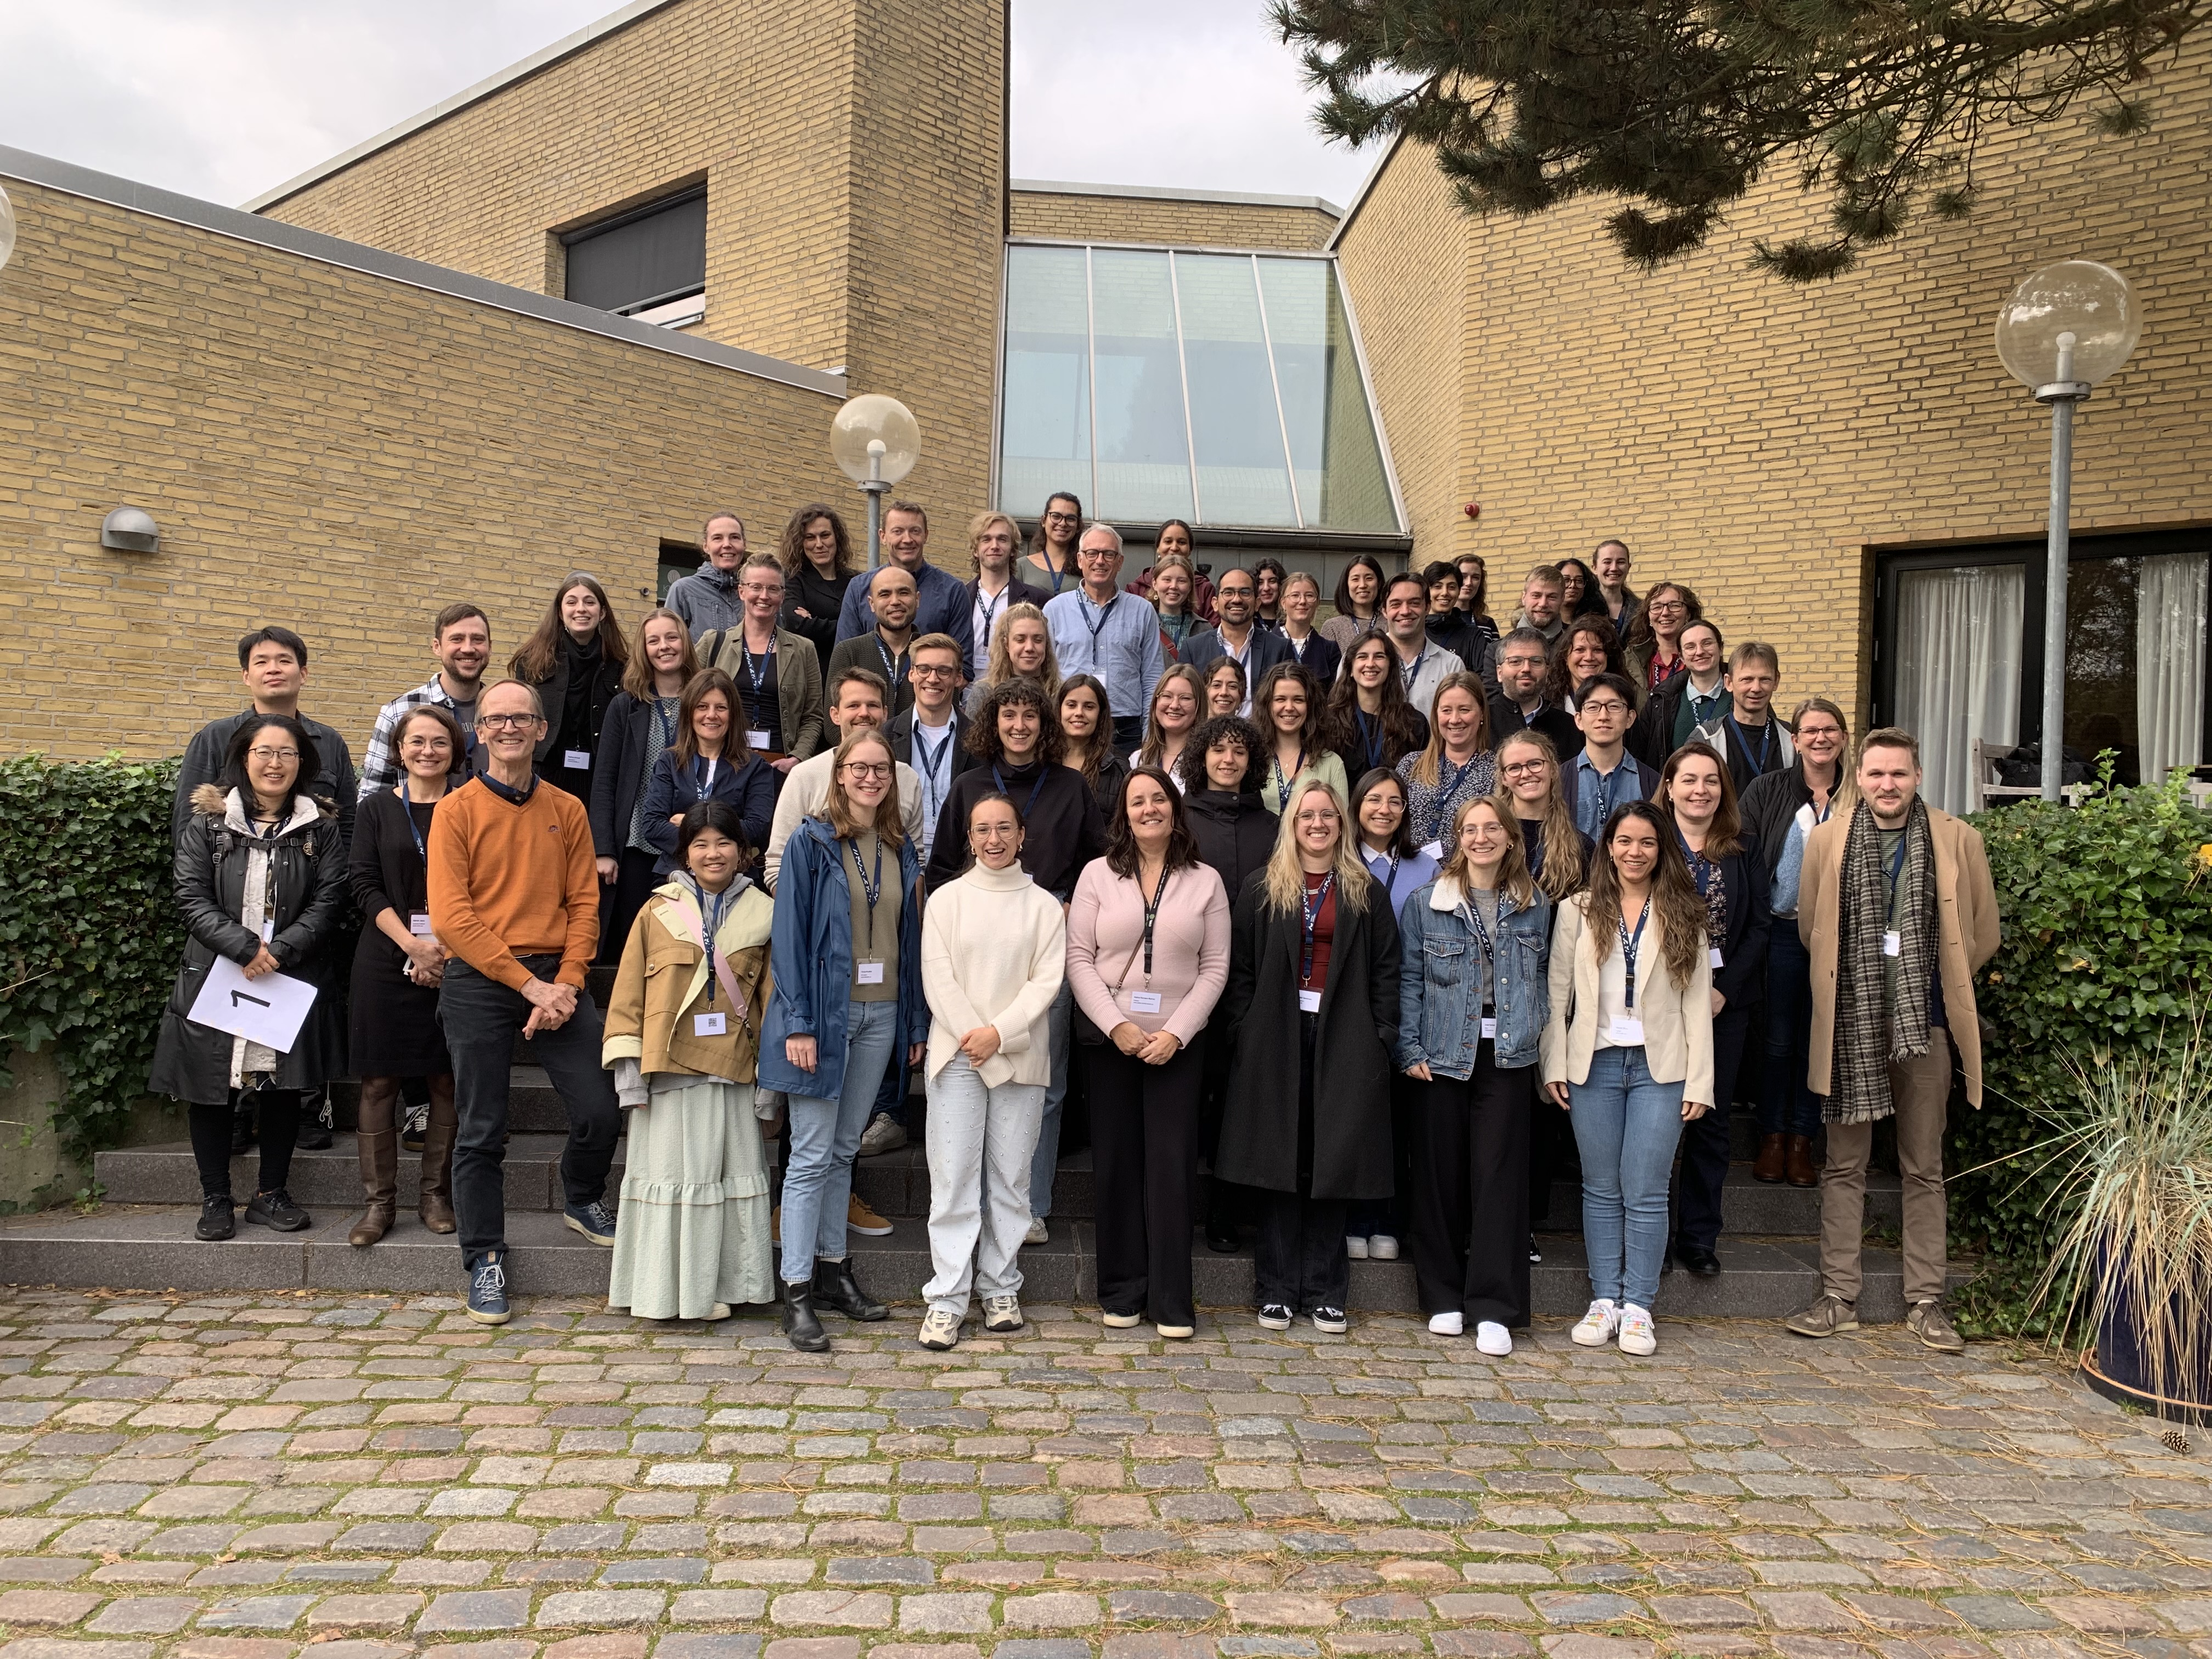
x=981, y=1140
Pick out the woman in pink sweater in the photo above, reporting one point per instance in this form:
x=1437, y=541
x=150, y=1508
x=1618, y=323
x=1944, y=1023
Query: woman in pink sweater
x=1147, y=957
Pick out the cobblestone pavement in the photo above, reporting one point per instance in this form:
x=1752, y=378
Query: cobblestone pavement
x=242, y=1477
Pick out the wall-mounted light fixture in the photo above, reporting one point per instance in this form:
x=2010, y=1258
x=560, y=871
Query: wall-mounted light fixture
x=131, y=530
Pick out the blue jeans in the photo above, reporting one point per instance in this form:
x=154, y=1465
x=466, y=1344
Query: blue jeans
x=1045, y=1161
x=825, y=1136
x=1786, y=1106
x=1626, y=1126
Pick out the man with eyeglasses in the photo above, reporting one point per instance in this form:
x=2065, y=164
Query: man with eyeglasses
x=709, y=599
x=931, y=735
x=778, y=677
x=1099, y=630
x=856, y=704
x=273, y=664
x=515, y=896
x=1604, y=775
x=1697, y=697
x=1237, y=635
x=885, y=647
x=1518, y=703
x=941, y=602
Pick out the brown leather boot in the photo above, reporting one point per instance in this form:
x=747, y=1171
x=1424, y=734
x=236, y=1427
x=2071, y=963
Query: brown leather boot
x=1803, y=1172
x=436, y=1203
x=378, y=1143
x=1768, y=1165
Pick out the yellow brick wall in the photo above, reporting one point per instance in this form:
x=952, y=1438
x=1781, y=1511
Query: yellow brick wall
x=854, y=197
x=1074, y=218
x=327, y=450
x=1757, y=439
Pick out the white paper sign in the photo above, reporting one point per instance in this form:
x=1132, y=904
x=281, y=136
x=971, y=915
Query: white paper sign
x=756, y=739
x=1713, y=958
x=268, y=1011
x=869, y=973
x=1308, y=1002
x=1489, y=1029
x=576, y=760
x=1892, y=944
x=713, y=1024
x=1144, y=1002
x=1627, y=1032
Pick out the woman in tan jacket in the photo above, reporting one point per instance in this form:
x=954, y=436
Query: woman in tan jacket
x=683, y=1039
x=1628, y=1050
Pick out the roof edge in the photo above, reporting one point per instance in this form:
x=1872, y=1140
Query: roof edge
x=1366, y=189
x=544, y=59
x=1159, y=193
x=241, y=226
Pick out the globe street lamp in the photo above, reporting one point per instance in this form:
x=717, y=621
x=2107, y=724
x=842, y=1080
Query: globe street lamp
x=2064, y=329
x=875, y=441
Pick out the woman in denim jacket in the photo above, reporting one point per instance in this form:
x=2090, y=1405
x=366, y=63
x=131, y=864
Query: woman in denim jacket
x=1473, y=1001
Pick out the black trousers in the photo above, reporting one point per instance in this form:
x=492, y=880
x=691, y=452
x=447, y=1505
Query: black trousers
x=1552, y=1153
x=279, y=1132
x=481, y=1018
x=1144, y=1153
x=1705, y=1150
x=620, y=902
x=1299, y=1259
x=1471, y=1193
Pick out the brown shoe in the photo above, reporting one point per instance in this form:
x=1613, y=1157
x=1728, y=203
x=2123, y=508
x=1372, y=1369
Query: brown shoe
x=1767, y=1166
x=435, y=1201
x=1829, y=1316
x=1927, y=1321
x=1803, y=1170
x=377, y=1144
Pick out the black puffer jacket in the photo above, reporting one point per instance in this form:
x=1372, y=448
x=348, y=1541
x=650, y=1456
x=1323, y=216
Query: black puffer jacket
x=1235, y=835
x=193, y=1062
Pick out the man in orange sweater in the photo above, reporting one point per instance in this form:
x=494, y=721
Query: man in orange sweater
x=515, y=896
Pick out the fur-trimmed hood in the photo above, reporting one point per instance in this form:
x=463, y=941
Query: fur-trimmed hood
x=212, y=800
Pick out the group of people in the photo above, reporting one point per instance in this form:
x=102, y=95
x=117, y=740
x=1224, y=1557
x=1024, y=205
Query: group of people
x=1355, y=916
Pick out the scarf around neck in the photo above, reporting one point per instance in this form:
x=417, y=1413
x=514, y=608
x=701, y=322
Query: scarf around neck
x=1870, y=1030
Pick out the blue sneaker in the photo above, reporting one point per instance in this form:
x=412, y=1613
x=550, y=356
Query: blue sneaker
x=487, y=1292
x=595, y=1221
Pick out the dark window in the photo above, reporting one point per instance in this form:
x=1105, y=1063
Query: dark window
x=642, y=259
x=677, y=559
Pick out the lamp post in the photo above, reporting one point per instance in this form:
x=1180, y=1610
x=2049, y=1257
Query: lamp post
x=875, y=441
x=2064, y=329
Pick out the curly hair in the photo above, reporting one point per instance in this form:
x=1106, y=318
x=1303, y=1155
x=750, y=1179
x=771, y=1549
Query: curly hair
x=791, y=545
x=1190, y=765
x=983, y=740
x=1559, y=679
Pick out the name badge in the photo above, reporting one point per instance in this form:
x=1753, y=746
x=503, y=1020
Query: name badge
x=1433, y=850
x=418, y=923
x=1713, y=957
x=1308, y=1002
x=576, y=760
x=1144, y=1002
x=1892, y=943
x=868, y=973
x=716, y=1024
x=1489, y=1029
x=269, y=931
x=1627, y=1032
x=756, y=739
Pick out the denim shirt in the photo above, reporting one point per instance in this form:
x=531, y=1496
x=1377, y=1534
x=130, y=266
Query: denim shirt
x=1439, y=1013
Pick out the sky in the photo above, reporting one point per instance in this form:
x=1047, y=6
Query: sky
x=223, y=99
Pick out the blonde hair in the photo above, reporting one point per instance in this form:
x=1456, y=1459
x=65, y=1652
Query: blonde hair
x=982, y=523
x=1845, y=796
x=838, y=808
x=1563, y=843
x=1513, y=877
x=1285, y=877
x=1430, y=767
x=1000, y=664
x=1155, y=743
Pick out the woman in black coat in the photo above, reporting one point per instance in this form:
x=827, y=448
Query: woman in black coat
x=1699, y=796
x=575, y=660
x=709, y=761
x=1313, y=1001
x=816, y=552
x=641, y=724
x=260, y=875
x=1220, y=769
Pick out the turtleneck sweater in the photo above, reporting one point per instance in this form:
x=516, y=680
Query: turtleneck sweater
x=993, y=951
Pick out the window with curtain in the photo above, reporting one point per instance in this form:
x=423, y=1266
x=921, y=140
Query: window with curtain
x=2170, y=622
x=1958, y=670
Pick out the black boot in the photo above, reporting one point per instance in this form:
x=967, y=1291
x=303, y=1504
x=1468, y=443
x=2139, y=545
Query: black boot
x=798, y=1320
x=835, y=1287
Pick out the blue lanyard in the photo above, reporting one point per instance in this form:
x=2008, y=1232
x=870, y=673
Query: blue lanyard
x=1766, y=743
x=1605, y=791
x=667, y=725
x=1312, y=903
x=407, y=812
x=1896, y=863
x=932, y=763
x=1702, y=869
x=757, y=674
x=1629, y=946
x=990, y=607
x=892, y=678
x=1282, y=789
x=1410, y=671
x=703, y=783
x=1451, y=786
x=872, y=890
x=1389, y=874
x=1084, y=607
x=1702, y=703
x=1035, y=789
x=715, y=904
x=1370, y=738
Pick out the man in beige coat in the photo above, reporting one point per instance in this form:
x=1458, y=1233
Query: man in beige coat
x=1897, y=912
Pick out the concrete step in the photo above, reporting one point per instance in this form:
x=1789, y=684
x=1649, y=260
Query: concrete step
x=533, y=1107
x=152, y=1249
x=331, y=1180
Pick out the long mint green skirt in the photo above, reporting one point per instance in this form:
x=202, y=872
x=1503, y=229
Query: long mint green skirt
x=692, y=1229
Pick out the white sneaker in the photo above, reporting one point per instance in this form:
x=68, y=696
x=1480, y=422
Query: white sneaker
x=1002, y=1313
x=885, y=1134
x=1356, y=1247
x=1175, y=1333
x=1492, y=1339
x=1446, y=1324
x=1637, y=1335
x=1383, y=1247
x=940, y=1329
x=1596, y=1328
x=1038, y=1233
x=1115, y=1322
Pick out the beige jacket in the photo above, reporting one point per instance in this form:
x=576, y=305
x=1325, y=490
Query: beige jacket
x=1678, y=1023
x=662, y=982
x=1966, y=904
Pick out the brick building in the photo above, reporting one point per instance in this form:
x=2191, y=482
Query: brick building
x=549, y=323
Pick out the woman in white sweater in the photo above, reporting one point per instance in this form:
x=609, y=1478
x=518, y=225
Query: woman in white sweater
x=994, y=952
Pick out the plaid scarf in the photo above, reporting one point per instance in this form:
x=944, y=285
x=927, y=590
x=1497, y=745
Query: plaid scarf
x=1869, y=1033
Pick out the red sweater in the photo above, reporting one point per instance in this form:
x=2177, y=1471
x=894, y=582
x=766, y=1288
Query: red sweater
x=509, y=881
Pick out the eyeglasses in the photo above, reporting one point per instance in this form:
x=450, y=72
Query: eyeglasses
x=506, y=722
x=1061, y=518
x=1527, y=769
x=1605, y=706
x=867, y=769
x=1667, y=607
x=922, y=671
x=273, y=754
x=441, y=741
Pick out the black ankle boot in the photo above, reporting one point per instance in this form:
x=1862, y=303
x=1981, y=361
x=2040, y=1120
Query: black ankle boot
x=799, y=1322
x=835, y=1287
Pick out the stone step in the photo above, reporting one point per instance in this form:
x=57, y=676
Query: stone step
x=331, y=1180
x=151, y=1248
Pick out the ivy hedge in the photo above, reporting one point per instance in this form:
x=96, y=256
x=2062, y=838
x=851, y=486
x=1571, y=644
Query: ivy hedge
x=2107, y=909
x=89, y=936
